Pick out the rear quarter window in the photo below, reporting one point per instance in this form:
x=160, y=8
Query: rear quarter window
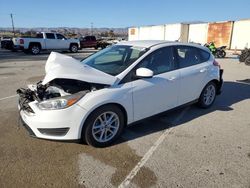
x=189, y=56
x=39, y=35
x=204, y=56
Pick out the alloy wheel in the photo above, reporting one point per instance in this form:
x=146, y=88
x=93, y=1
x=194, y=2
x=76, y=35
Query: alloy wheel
x=105, y=126
x=209, y=95
x=35, y=49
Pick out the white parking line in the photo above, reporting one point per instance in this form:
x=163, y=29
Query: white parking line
x=150, y=152
x=9, y=97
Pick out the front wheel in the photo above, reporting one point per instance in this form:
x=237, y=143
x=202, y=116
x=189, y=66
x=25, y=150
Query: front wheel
x=208, y=95
x=103, y=126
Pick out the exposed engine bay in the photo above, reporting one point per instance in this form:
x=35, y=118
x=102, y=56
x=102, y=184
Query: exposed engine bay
x=55, y=88
x=65, y=82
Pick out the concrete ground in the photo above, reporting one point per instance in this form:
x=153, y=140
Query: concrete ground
x=190, y=147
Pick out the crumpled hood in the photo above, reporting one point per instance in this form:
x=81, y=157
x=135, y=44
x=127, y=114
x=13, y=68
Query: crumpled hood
x=63, y=66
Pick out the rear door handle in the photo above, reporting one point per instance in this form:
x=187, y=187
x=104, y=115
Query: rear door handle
x=203, y=70
x=172, y=78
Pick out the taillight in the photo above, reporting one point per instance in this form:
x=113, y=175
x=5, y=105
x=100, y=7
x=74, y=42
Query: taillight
x=215, y=63
x=21, y=41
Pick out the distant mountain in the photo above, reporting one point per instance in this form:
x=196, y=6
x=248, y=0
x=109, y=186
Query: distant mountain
x=73, y=30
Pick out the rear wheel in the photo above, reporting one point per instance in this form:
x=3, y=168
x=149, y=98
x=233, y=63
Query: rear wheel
x=208, y=95
x=73, y=48
x=221, y=54
x=35, y=49
x=103, y=126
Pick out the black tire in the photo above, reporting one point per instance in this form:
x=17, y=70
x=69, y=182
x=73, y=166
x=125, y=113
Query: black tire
x=103, y=46
x=35, y=49
x=26, y=51
x=203, y=103
x=73, y=48
x=221, y=54
x=244, y=55
x=87, y=132
x=247, y=61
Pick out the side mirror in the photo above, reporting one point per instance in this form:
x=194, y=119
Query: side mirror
x=144, y=73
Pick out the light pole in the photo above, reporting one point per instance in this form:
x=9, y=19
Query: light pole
x=13, y=28
x=92, y=28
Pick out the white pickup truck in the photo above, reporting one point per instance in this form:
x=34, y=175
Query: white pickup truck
x=46, y=41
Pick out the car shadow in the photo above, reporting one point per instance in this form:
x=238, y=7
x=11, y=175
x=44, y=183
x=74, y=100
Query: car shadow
x=233, y=92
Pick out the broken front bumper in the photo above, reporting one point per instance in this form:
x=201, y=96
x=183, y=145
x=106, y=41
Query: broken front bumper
x=63, y=124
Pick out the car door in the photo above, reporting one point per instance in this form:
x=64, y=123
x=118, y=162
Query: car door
x=88, y=41
x=159, y=93
x=93, y=41
x=61, y=42
x=193, y=68
x=50, y=41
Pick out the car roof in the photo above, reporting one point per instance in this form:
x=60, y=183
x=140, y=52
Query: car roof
x=142, y=43
x=151, y=43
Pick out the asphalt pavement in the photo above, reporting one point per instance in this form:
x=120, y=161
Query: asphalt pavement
x=190, y=147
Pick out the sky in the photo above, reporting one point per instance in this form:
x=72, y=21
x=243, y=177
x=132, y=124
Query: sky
x=118, y=13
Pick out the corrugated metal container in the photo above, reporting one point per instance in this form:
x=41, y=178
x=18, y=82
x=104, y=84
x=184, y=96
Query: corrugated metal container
x=151, y=33
x=157, y=32
x=220, y=33
x=241, y=35
x=198, y=33
x=144, y=33
x=174, y=32
x=133, y=33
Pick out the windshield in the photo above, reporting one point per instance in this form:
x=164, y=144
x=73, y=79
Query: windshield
x=115, y=59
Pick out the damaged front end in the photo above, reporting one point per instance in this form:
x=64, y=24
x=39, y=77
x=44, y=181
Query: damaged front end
x=47, y=108
x=57, y=94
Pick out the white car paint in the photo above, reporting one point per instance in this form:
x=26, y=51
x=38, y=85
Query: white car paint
x=140, y=98
x=63, y=66
x=46, y=43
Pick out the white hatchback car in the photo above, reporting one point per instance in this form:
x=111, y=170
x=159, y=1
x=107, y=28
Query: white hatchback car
x=94, y=99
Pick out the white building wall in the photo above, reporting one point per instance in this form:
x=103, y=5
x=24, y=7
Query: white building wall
x=198, y=33
x=241, y=35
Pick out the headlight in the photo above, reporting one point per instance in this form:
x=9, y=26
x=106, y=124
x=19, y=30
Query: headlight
x=60, y=102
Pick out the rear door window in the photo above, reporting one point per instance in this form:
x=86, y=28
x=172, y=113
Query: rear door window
x=88, y=38
x=50, y=35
